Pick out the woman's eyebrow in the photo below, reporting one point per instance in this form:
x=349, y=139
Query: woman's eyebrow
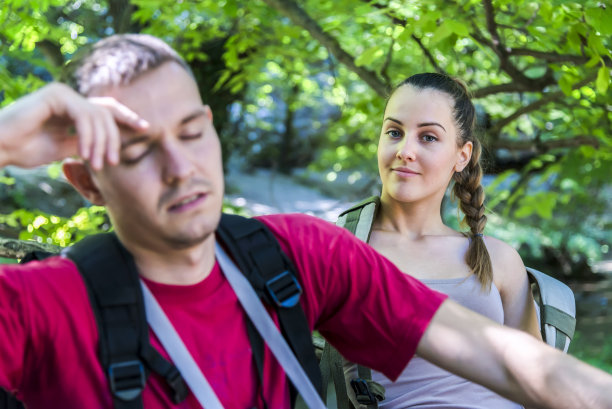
x=397, y=121
x=421, y=125
x=430, y=124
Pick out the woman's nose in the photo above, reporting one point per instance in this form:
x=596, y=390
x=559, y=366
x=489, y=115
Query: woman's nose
x=407, y=150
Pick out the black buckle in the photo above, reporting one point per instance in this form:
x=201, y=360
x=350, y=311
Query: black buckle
x=284, y=289
x=362, y=392
x=127, y=379
x=178, y=385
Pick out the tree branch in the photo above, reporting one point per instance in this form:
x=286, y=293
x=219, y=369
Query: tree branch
x=544, y=146
x=554, y=57
x=499, y=125
x=429, y=56
x=400, y=22
x=298, y=16
x=12, y=248
x=496, y=89
x=51, y=51
x=385, y=67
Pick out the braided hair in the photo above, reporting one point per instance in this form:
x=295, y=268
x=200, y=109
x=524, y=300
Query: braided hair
x=467, y=187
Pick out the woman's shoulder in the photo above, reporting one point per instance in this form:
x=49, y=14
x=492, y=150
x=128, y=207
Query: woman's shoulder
x=506, y=261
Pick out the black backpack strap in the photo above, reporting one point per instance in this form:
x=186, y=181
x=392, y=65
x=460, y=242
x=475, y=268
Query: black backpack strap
x=111, y=277
x=8, y=401
x=260, y=258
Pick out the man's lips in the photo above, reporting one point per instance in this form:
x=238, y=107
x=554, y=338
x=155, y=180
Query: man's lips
x=187, y=202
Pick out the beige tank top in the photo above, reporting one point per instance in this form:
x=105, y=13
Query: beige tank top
x=425, y=386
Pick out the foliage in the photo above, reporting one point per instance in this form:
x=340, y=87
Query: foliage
x=600, y=357
x=297, y=82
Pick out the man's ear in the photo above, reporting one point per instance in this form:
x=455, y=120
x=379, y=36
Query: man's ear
x=208, y=112
x=464, y=156
x=79, y=176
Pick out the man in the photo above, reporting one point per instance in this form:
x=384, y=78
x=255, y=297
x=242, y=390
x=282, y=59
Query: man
x=160, y=177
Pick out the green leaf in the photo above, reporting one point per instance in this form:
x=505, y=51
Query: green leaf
x=369, y=55
x=603, y=79
x=565, y=83
x=600, y=18
x=443, y=31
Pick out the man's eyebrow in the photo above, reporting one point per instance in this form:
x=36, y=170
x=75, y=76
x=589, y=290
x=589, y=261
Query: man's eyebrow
x=198, y=113
x=134, y=140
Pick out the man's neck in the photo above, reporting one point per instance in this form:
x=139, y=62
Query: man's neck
x=176, y=266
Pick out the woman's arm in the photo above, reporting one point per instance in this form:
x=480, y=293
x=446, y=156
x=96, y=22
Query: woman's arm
x=512, y=363
x=510, y=276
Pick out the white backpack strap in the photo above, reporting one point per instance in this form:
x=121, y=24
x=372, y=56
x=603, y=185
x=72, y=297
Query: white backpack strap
x=359, y=218
x=262, y=321
x=173, y=344
x=557, y=309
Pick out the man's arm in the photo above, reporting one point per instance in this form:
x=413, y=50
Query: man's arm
x=511, y=362
x=55, y=122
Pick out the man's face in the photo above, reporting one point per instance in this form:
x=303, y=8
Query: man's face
x=167, y=191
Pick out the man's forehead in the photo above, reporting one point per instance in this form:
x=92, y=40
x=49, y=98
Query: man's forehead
x=165, y=94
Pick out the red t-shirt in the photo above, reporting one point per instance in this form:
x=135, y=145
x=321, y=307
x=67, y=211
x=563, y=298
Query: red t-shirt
x=360, y=302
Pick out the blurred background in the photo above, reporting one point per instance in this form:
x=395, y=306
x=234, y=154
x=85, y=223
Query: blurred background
x=297, y=88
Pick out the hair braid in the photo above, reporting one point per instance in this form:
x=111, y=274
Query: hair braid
x=471, y=196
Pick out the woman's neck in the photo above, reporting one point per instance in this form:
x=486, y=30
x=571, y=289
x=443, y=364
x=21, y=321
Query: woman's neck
x=411, y=219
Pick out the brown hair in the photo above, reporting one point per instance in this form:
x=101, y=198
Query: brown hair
x=118, y=60
x=467, y=187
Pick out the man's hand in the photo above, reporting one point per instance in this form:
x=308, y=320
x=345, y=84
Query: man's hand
x=56, y=122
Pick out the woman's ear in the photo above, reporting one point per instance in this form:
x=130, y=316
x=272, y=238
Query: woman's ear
x=463, y=156
x=79, y=176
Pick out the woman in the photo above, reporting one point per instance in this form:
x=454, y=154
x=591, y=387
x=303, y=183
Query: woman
x=427, y=139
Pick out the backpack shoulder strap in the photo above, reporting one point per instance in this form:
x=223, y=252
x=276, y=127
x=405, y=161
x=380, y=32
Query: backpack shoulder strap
x=112, y=281
x=557, y=309
x=260, y=258
x=361, y=391
x=359, y=218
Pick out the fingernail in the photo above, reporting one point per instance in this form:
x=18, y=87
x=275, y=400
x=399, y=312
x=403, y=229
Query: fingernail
x=142, y=123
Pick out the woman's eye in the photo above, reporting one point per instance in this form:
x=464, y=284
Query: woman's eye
x=429, y=138
x=394, y=133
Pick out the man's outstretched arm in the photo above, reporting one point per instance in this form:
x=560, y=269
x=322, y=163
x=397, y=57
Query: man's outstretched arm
x=511, y=362
x=56, y=122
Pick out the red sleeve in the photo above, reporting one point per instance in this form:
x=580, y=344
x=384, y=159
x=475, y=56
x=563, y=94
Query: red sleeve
x=359, y=301
x=41, y=309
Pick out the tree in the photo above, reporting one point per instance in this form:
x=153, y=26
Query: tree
x=539, y=72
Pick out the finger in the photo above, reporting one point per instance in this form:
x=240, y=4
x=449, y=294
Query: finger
x=84, y=135
x=122, y=114
x=112, y=139
x=99, y=134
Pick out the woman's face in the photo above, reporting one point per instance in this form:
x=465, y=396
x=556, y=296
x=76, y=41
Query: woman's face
x=417, y=150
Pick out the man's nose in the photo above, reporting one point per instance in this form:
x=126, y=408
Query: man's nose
x=177, y=163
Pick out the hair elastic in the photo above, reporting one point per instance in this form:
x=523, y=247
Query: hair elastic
x=478, y=235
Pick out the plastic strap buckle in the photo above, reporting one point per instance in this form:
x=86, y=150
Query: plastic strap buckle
x=127, y=379
x=362, y=392
x=178, y=385
x=284, y=289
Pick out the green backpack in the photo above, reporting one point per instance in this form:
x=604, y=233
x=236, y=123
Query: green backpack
x=555, y=305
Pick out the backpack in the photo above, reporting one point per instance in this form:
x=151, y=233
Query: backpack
x=555, y=305
x=112, y=282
